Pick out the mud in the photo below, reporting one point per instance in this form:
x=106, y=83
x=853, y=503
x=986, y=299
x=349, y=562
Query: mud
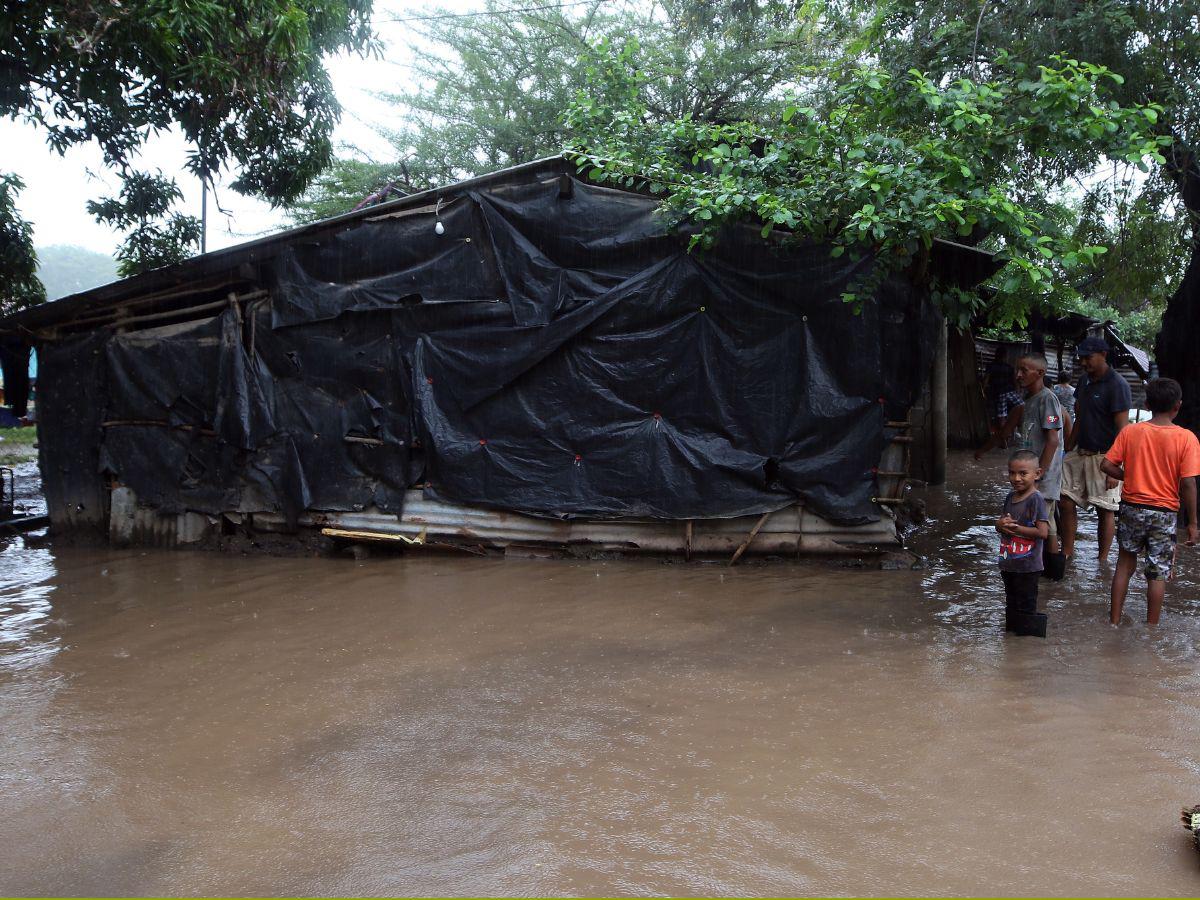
x=198, y=723
x=27, y=486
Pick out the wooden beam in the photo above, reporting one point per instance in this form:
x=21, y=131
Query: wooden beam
x=750, y=537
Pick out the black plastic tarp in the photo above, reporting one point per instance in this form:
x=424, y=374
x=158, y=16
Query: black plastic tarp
x=14, y=367
x=555, y=351
x=72, y=394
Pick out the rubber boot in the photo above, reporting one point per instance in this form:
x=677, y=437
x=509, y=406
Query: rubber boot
x=1055, y=566
x=1030, y=624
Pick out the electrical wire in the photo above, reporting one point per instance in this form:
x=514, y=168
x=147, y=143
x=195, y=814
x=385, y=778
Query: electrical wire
x=489, y=12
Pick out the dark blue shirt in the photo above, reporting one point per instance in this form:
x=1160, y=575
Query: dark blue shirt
x=1095, y=404
x=1022, y=554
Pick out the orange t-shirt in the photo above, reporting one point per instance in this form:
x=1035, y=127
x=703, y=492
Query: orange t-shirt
x=1155, y=458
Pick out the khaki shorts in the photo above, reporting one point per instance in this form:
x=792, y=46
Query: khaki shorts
x=1050, y=507
x=1083, y=482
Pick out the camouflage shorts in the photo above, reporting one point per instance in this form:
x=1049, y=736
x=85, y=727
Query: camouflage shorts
x=1149, y=533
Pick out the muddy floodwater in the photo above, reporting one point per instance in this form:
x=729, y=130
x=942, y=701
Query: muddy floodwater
x=202, y=723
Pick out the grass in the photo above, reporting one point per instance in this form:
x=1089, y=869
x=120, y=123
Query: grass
x=18, y=445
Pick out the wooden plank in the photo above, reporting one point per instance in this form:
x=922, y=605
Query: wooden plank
x=750, y=537
x=350, y=534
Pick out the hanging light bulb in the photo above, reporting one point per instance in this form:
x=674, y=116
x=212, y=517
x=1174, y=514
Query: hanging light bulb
x=438, y=227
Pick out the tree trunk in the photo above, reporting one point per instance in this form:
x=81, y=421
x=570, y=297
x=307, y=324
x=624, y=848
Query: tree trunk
x=1178, y=346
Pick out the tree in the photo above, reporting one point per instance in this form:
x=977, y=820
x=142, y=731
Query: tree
x=1133, y=282
x=243, y=80
x=156, y=236
x=878, y=166
x=1155, y=44
x=19, y=285
x=495, y=84
x=350, y=182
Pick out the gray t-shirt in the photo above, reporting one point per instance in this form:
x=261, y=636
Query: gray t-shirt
x=1042, y=412
x=1021, y=554
x=1096, y=402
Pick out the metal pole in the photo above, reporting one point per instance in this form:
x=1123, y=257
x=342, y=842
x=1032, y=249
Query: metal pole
x=203, y=215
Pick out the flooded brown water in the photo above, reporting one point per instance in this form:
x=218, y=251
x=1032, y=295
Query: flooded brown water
x=198, y=723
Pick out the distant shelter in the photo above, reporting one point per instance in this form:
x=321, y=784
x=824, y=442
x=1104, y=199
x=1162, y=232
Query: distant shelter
x=1055, y=337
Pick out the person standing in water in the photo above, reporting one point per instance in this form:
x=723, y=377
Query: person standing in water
x=1065, y=393
x=1102, y=402
x=1023, y=526
x=1158, y=462
x=1001, y=391
x=1038, y=424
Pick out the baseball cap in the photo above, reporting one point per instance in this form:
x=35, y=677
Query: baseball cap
x=1090, y=345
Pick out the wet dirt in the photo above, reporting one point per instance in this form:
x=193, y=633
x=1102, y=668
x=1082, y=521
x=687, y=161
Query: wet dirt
x=205, y=723
x=27, y=489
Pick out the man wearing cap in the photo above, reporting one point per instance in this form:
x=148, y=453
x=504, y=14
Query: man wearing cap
x=1102, y=400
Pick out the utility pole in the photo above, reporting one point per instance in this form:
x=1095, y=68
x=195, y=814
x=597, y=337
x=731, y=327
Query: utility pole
x=203, y=215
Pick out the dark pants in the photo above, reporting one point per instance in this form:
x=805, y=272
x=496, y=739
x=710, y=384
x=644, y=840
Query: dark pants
x=1020, y=595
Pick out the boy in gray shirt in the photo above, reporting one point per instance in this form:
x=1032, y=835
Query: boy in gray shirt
x=1038, y=428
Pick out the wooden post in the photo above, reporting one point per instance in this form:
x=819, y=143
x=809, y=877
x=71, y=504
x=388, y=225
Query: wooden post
x=750, y=537
x=939, y=398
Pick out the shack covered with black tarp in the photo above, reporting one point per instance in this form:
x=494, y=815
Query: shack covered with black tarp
x=526, y=342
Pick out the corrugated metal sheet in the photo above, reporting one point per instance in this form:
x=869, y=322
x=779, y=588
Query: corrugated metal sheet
x=790, y=531
x=985, y=352
x=129, y=523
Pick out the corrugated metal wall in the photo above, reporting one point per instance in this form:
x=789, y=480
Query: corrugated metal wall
x=1056, y=353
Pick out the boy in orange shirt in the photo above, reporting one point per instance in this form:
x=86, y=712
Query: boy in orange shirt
x=1157, y=461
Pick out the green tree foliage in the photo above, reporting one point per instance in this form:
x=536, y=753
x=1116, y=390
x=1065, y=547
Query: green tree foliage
x=349, y=182
x=66, y=269
x=243, y=80
x=155, y=236
x=1147, y=254
x=879, y=165
x=1129, y=284
x=19, y=286
x=494, y=87
x=1155, y=44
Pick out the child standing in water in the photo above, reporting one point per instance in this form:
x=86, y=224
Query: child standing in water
x=1037, y=424
x=1023, y=526
x=1157, y=461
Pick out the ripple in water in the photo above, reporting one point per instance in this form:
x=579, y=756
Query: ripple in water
x=26, y=584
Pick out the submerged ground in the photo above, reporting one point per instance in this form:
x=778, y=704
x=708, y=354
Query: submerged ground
x=175, y=723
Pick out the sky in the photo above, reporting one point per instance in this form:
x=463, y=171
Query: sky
x=58, y=187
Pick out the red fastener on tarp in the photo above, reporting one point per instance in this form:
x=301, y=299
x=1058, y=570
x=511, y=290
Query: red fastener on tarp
x=482, y=441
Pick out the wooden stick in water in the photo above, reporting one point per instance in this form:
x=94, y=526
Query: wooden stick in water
x=750, y=537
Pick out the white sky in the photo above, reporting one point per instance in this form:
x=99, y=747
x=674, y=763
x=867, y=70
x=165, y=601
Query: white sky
x=58, y=187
